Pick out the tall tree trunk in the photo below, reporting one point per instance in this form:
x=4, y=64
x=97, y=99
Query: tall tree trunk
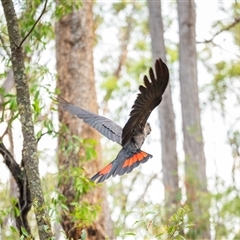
x=195, y=172
x=29, y=154
x=166, y=114
x=74, y=49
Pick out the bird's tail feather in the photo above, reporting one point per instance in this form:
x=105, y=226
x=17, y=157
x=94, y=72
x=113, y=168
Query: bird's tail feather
x=124, y=163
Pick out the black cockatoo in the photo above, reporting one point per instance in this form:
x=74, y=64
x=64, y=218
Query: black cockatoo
x=132, y=136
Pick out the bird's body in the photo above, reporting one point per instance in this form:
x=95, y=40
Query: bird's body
x=135, y=131
x=140, y=135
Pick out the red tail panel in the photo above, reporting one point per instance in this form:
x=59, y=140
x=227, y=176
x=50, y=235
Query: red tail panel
x=135, y=158
x=106, y=169
x=124, y=163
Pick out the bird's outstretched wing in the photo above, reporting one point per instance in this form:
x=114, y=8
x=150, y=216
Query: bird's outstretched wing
x=149, y=97
x=105, y=126
x=124, y=163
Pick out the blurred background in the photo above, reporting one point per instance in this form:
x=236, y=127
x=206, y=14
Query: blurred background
x=95, y=55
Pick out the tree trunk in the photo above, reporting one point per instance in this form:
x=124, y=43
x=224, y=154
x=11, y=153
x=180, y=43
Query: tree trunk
x=195, y=172
x=166, y=114
x=74, y=49
x=29, y=153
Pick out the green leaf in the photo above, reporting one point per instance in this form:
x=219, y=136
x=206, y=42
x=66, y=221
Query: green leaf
x=46, y=228
x=13, y=229
x=83, y=235
x=135, y=222
x=16, y=212
x=158, y=235
x=24, y=231
x=151, y=212
x=130, y=234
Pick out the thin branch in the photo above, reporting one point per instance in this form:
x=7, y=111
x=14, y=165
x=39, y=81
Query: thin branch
x=29, y=153
x=122, y=59
x=130, y=189
x=10, y=38
x=4, y=46
x=11, y=164
x=154, y=176
x=7, y=86
x=48, y=132
x=142, y=195
x=226, y=50
x=24, y=199
x=26, y=36
x=237, y=20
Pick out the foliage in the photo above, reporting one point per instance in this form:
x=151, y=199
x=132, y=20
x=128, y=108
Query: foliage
x=41, y=79
x=174, y=229
x=82, y=212
x=38, y=52
x=65, y=7
x=224, y=82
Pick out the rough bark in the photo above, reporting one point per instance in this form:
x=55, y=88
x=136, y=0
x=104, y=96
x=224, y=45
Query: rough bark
x=74, y=51
x=18, y=183
x=195, y=172
x=29, y=153
x=165, y=112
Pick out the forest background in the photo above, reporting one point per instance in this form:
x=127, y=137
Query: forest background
x=95, y=55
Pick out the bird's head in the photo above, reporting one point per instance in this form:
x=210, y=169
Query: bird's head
x=147, y=129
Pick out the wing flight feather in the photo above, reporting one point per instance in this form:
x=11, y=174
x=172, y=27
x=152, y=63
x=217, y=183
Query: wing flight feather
x=149, y=97
x=105, y=126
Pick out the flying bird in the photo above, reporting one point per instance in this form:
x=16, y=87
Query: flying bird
x=133, y=134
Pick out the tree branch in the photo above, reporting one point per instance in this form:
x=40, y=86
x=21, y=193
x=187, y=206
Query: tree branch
x=11, y=164
x=226, y=28
x=122, y=59
x=29, y=152
x=26, y=36
x=4, y=46
x=24, y=199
